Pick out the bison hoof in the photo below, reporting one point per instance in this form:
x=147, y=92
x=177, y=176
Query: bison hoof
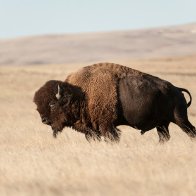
x=142, y=132
x=54, y=134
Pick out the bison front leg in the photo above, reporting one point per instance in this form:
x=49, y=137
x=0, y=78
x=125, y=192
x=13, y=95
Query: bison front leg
x=110, y=133
x=163, y=133
x=92, y=135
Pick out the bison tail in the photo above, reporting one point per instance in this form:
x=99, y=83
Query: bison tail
x=185, y=90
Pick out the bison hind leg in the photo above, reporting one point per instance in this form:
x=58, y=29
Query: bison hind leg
x=188, y=128
x=181, y=119
x=163, y=133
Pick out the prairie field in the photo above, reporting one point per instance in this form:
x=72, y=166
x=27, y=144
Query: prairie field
x=32, y=162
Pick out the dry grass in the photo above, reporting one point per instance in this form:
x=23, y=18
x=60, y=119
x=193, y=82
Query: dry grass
x=33, y=163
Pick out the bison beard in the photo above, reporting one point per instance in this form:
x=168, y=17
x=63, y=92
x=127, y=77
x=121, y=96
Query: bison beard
x=98, y=98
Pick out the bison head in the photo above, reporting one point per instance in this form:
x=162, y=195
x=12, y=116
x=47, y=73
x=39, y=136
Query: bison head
x=58, y=104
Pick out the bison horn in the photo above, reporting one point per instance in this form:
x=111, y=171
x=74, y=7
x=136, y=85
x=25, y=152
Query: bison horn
x=58, y=93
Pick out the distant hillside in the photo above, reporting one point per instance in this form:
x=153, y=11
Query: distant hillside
x=96, y=47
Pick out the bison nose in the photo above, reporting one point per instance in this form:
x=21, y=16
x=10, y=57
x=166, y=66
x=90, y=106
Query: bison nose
x=45, y=121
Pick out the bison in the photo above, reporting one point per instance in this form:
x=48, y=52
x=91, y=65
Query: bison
x=98, y=98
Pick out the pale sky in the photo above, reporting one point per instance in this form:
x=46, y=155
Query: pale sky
x=33, y=17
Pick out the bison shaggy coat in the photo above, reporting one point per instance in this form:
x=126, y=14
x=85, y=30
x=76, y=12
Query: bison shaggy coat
x=98, y=98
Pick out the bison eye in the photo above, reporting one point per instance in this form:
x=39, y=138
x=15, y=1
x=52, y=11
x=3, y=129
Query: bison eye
x=52, y=105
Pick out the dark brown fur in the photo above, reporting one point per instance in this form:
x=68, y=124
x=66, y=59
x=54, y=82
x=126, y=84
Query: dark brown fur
x=100, y=97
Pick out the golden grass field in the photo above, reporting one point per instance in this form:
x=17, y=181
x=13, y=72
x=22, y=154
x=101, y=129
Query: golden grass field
x=32, y=162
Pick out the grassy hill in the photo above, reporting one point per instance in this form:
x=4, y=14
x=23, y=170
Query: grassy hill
x=103, y=46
